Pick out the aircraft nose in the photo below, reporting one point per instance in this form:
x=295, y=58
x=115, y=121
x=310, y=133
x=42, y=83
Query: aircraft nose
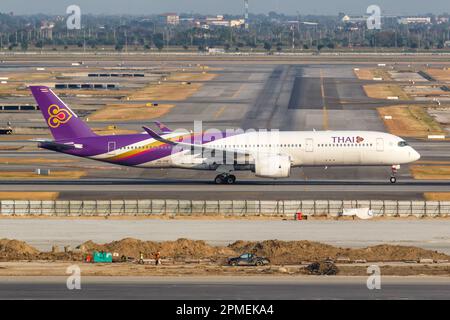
x=414, y=155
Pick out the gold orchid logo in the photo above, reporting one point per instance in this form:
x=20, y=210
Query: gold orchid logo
x=57, y=116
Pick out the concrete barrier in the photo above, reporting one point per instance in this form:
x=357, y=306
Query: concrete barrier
x=282, y=208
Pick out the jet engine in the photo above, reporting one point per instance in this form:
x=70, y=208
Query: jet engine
x=276, y=166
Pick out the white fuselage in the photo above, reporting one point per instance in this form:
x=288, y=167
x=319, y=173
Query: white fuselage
x=305, y=148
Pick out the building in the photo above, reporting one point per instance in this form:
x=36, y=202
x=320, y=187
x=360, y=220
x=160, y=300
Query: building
x=170, y=18
x=441, y=20
x=46, y=30
x=414, y=20
x=353, y=19
x=219, y=21
x=216, y=50
x=447, y=44
x=237, y=23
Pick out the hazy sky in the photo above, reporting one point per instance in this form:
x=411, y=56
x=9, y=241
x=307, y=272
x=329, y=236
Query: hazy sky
x=224, y=6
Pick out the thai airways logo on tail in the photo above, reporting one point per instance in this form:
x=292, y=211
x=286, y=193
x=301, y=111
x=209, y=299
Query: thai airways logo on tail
x=62, y=121
x=57, y=116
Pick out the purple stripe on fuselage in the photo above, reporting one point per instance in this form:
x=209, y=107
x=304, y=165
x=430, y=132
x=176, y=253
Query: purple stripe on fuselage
x=94, y=146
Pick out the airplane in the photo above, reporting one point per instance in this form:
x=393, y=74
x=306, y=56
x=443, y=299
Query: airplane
x=269, y=154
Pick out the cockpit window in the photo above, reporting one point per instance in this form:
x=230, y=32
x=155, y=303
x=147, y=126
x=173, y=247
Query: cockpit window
x=402, y=144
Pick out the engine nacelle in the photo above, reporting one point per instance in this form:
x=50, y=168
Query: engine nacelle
x=277, y=166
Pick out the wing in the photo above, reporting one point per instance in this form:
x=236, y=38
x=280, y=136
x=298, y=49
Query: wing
x=198, y=147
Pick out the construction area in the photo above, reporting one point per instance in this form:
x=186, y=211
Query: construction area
x=134, y=257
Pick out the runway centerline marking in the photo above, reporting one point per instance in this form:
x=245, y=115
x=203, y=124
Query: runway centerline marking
x=238, y=91
x=219, y=113
x=325, y=111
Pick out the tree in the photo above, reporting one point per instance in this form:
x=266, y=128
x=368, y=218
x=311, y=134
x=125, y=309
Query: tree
x=267, y=46
x=158, y=41
x=39, y=44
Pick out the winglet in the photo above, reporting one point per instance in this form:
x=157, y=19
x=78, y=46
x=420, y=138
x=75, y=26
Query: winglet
x=163, y=127
x=156, y=136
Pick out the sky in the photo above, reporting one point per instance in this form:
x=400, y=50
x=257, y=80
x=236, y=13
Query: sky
x=328, y=7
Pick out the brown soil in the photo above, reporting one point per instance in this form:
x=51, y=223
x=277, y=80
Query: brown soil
x=279, y=252
x=294, y=252
x=409, y=121
x=130, y=112
x=439, y=74
x=369, y=74
x=437, y=196
x=33, y=195
x=383, y=91
x=16, y=250
x=179, y=249
x=436, y=172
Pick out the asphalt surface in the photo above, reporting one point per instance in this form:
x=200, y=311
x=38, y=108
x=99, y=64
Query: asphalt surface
x=200, y=189
x=260, y=94
x=431, y=234
x=214, y=288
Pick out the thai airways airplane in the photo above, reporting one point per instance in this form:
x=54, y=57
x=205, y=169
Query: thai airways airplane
x=269, y=154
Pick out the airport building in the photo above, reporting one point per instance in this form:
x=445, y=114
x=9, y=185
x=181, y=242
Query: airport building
x=170, y=18
x=414, y=20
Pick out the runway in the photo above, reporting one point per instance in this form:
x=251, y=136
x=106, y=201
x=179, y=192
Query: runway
x=260, y=94
x=244, y=189
x=224, y=288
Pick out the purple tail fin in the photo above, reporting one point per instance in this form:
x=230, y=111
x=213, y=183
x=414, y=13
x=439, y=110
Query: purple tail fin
x=62, y=121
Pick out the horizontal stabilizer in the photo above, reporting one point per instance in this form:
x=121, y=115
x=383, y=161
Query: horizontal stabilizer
x=52, y=145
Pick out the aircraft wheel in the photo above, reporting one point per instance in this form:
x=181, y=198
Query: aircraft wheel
x=219, y=179
x=393, y=179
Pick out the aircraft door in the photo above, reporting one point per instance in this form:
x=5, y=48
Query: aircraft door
x=309, y=145
x=111, y=146
x=380, y=144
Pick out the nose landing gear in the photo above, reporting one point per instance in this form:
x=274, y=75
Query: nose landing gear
x=394, y=170
x=225, y=178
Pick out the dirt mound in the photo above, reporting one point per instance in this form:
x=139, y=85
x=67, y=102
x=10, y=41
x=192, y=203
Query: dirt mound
x=386, y=252
x=181, y=248
x=195, y=249
x=16, y=250
x=279, y=252
x=295, y=252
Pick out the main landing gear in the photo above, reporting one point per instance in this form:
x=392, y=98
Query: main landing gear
x=225, y=178
x=394, y=169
